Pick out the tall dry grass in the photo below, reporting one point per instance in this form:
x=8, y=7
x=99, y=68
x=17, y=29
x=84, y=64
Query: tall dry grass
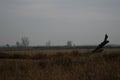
x=73, y=65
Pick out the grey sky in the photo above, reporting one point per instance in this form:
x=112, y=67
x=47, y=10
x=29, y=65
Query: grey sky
x=81, y=21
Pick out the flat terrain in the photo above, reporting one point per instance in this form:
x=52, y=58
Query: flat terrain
x=62, y=64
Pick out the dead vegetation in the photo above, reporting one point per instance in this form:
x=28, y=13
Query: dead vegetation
x=61, y=65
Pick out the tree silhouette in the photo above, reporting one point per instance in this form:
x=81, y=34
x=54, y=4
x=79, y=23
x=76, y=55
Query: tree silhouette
x=25, y=42
x=69, y=43
x=99, y=48
x=17, y=44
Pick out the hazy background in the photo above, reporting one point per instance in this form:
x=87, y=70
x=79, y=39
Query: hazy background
x=82, y=21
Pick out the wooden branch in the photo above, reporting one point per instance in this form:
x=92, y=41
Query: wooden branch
x=101, y=45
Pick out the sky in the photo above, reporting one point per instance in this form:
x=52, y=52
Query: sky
x=84, y=22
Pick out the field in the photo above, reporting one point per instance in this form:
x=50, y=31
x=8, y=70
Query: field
x=61, y=64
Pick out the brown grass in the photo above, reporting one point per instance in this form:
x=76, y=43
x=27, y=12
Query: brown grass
x=60, y=65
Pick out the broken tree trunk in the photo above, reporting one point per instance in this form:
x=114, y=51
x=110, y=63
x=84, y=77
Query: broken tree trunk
x=100, y=47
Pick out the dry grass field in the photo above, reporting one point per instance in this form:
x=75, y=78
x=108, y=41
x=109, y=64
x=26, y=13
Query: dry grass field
x=64, y=64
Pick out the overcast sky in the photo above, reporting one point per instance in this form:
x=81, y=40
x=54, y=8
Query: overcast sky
x=81, y=21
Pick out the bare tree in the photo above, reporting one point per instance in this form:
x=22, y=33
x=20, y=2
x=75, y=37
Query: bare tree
x=48, y=43
x=69, y=43
x=25, y=41
x=17, y=44
x=7, y=45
